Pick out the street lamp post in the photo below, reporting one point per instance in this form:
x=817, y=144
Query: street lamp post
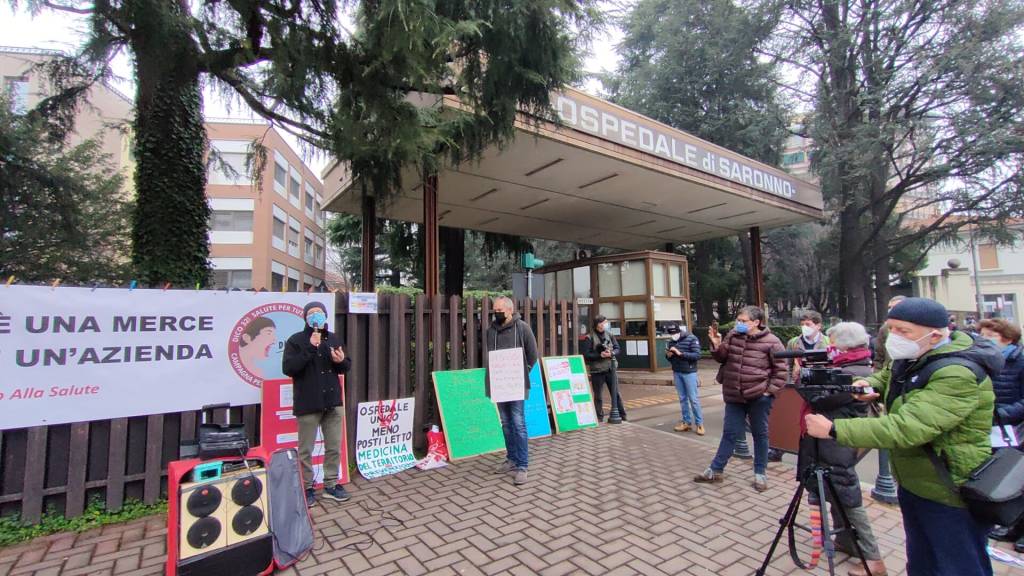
x=885, y=485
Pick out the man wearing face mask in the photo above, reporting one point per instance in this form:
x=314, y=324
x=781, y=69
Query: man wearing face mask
x=949, y=413
x=599, y=350
x=509, y=331
x=810, y=338
x=683, y=353
x=314, y=358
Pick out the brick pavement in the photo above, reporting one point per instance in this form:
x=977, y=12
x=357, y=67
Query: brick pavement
x=612, y=500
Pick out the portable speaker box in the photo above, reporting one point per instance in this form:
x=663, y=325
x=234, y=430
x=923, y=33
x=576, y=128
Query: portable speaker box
x=245, y=522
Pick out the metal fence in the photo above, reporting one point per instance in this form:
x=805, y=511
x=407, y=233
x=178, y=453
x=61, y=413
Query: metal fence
x=394, y=351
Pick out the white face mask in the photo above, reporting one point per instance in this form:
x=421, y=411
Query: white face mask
x=809, y=331
x=675, y=336
x=903, y=348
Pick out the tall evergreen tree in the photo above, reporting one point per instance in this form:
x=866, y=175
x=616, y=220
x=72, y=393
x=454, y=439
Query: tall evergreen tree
x=62, y=211
x=694, y=66
x=370, y=96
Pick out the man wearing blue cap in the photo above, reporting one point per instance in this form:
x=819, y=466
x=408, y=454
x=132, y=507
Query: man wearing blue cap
x=945, y=410
x=314, y=359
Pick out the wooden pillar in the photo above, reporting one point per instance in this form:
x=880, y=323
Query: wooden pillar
x=431, y=248
x=369, y=247
x=757, y=267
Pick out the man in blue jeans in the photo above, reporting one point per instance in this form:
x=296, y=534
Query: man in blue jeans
x=509, y=331
x=683, y=353
x=750, y=376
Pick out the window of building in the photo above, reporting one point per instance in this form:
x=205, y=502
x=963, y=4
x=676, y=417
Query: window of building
x=581, y=282
x=609, y=280
x=318, y=213
x=675, y=280
x=16, y=88
x=659, y=279
x=308, y=250
x=293, y=285
x=634, y=278
x=276, y=282
x=228, y=279
x=279, y=234
x=293, y=241
x=280, y=177
x=318, y=254
x=636, y=318
x=231, y=221
x=988, y=257
x=229, y=168
x=310, y=202
x=295, y=191
x=564, y=278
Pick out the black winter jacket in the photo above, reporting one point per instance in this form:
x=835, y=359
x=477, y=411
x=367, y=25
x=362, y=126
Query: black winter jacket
x=841, y=460
x=1009, y=388
x=313, y=372
x=689, y=347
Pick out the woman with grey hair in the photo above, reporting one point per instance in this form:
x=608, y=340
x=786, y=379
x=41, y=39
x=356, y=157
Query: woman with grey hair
x=850, y=352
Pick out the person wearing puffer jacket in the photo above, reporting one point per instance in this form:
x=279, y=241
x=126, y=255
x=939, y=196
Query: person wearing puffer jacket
x=1008, y=386
x=750, y=376
x=950, y=412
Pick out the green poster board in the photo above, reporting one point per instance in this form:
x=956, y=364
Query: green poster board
x=569, y=392
x=470, y=419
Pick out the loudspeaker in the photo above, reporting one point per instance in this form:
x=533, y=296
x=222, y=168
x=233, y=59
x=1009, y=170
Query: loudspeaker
x=222, y=512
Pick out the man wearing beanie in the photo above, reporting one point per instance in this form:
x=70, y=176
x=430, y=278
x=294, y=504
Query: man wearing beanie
x=314, y=359
x=948, y=412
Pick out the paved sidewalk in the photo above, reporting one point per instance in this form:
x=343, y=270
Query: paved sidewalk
x=613, y=500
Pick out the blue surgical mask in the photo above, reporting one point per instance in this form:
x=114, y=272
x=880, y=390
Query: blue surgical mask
x=316, y=320
x=742, y=328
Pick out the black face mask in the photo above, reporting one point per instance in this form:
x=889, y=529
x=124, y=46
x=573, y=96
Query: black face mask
x=499, y=317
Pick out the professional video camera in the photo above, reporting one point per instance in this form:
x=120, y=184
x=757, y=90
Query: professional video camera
x=820, y=384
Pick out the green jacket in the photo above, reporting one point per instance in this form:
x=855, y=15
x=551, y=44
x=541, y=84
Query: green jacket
x=953, y=412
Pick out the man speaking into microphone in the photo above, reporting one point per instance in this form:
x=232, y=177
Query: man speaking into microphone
x=314, y=358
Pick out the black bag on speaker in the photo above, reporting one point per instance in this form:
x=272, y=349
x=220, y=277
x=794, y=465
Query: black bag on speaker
x=220, y=440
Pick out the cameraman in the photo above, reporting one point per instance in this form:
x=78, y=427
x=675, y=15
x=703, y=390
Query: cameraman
x=851, y=355
x=951, y=412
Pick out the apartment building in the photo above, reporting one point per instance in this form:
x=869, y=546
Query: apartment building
x=107, y=116
x=954, y=269
x=266, y=232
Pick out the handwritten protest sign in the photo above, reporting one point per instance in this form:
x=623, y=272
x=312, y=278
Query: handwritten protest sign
x=384, y=437
x=506, y=371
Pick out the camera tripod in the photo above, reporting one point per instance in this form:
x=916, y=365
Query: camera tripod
x=788, y=522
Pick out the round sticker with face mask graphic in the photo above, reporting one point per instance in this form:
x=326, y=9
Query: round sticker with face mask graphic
x=256, y=344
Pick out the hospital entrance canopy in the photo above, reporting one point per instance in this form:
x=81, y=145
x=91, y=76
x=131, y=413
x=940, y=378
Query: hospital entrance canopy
x=606, y=176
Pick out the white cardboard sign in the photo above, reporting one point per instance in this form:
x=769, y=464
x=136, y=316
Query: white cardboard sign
x=507, y=372
x=384, y=437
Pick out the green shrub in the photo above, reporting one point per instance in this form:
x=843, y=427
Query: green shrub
x=406, y=290
x=12, y=530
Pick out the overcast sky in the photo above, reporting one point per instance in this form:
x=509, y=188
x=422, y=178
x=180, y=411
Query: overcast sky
x=62, y=31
